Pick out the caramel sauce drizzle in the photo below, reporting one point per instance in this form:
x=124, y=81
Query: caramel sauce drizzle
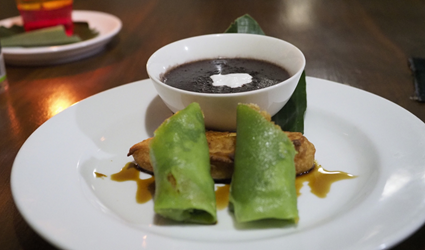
x=222, y=196
x=145, y=187
x=319, y=180
x=99, y=175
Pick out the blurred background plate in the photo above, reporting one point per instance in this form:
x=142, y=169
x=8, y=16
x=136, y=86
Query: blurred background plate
x=107, y=25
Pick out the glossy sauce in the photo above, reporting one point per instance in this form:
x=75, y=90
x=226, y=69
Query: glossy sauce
x=196, y=76
x=99, y=175
x=145, y=187
x=222, y=196
x=320, y=180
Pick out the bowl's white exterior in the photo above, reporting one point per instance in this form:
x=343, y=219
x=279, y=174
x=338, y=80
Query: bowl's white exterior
x=220, y=109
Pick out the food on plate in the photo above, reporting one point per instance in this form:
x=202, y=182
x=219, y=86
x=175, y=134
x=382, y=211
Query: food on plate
x=224, y=75
x=222, y=151
x=304, y=159
x=263, y=182
x=184, y=188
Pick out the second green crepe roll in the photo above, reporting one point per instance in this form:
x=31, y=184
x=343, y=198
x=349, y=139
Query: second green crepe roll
x=184, y=188
x=263, y=183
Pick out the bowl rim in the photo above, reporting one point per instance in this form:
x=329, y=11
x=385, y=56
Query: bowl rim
x=245, y=93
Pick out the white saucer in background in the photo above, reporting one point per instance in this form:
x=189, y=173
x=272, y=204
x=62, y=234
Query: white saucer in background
x=106, y=24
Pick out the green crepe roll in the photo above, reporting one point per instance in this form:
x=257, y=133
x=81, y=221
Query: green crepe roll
x=184, y=188
x=263, y=182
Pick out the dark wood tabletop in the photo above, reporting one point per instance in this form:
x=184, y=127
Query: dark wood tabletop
x=363, y=43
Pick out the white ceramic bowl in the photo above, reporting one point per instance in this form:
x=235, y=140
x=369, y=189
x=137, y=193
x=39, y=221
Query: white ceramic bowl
x=220, y=109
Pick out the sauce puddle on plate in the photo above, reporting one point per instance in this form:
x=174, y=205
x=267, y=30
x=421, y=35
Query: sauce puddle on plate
x=319, y=180
x=145, y=187
x=222, y=196
x=99, y=175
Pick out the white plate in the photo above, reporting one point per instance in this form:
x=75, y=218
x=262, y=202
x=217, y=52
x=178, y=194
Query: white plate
x=106, y=24
x=354, y=131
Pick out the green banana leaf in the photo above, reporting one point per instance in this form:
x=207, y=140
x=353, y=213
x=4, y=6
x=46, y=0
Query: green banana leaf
x=291, y=116
x=245, y=24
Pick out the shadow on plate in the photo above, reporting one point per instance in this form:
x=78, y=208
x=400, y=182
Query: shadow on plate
x=156, y=113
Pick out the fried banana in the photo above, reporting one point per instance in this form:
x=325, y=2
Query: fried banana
x=222, y=149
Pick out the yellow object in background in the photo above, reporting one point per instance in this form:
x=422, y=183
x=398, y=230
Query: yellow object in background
x=42, y=4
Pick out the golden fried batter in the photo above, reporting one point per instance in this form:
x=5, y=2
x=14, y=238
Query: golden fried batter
x=304, y=159
x=140, y=153
x=222, y=149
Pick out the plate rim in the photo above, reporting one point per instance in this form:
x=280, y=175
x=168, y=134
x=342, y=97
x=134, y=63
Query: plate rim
x=401, y=233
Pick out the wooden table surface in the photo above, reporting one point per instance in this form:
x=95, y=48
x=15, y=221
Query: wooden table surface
x=363, y=43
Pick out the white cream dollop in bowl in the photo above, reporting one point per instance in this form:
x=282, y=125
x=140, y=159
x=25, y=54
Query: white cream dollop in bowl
x=234, y=80
x=220, y=109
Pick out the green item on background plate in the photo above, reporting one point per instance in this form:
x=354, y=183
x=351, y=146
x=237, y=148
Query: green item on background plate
x=42, y=37
x=15, y=36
